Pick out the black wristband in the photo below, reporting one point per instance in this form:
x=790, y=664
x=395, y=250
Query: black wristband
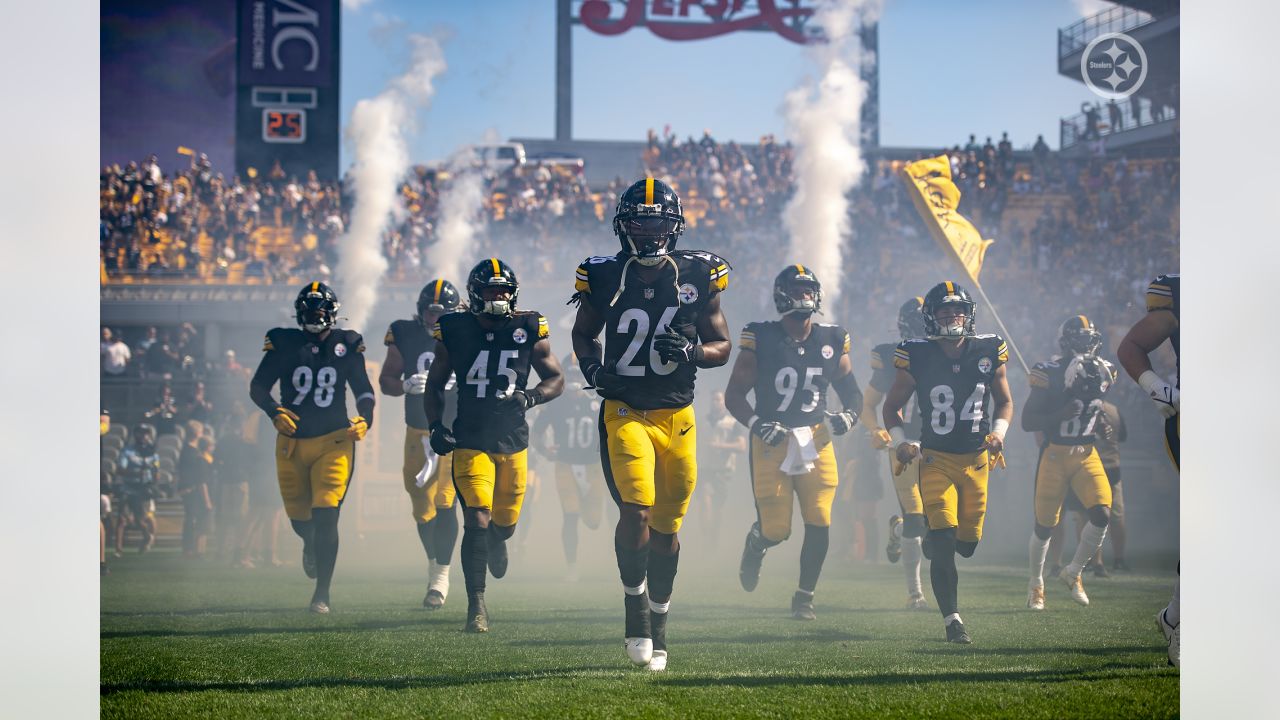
x=698, y=354
x=590, y=367
x=535, y=397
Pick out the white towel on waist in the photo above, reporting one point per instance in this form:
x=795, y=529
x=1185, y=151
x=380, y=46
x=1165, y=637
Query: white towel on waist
x=429, y=466
x=802, y=451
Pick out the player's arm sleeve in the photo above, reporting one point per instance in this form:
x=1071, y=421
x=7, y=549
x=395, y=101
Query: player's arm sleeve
x=881, y=373
x=747, y=341
x=359, y=380
x=1160, y=294
x=544, y=330
x=902, y=358
x=1039, y=377
x=1002, y=351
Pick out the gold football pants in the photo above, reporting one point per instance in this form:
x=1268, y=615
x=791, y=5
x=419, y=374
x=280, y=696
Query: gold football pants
x=492, y=481
x=1069, y=467
x=314, y=472
x=953, y=487
x=651, y=460
x=773, y=489
x=438, y=492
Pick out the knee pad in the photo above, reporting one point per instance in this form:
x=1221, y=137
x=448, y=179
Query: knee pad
x=966, y=549
x=1100, y=515
x=914, y=525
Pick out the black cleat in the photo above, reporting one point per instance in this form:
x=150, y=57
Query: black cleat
x=498, y=557
x=894, y=549
x=433, y=601
x=956, y=634
x=308, y=562
x=477, y=615
x=752, y=559
x=802, y=606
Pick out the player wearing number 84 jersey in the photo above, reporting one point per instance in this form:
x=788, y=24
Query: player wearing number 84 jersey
x=953, y=373
x=315, y=449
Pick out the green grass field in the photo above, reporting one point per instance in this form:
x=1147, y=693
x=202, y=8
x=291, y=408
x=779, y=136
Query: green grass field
x=184, y=640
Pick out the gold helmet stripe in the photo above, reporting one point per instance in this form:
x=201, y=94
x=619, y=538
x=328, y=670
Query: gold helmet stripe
x=951, y=289
x=315, y=286
x=497, y=271
x=648, y=191
x=1084, y=322
x=436, y=297
x=919, y=301
x=800, y=269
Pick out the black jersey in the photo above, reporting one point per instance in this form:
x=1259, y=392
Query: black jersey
x=1050, y=376
x=1162, y=294
x=573, y=420
x=313, y=376
x=675, y=299
x=489, y=362
x=953, y=393
x=792, y=377
x=882, y=375
x=418, y=349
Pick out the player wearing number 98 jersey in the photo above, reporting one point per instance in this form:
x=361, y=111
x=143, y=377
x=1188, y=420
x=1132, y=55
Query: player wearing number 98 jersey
x=428, y=478
x=492, y=350
x=315, y=448
x=953, y=373
x=1066, y=398
x=661, y=321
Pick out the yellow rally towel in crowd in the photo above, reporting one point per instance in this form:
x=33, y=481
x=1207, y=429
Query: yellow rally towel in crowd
x=936, y=197
x=185, y=150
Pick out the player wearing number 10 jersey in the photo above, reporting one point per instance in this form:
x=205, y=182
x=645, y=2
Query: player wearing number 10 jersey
x=661, y=321
x=953, y=373
x=1065, y=401
x=315, y=449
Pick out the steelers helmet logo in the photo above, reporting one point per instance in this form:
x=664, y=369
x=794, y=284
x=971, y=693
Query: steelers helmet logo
x=827, y=352
x=1113, y=65
x=519, y=335
x=688, y=294
x=339, y=349
x=984, y=365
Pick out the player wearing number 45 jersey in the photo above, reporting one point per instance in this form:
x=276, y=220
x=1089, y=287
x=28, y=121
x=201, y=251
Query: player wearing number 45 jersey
x=788, y=364
x=315, y=449
x=661, y=321
x=492, y=348
x=953, y=373
x=1065, y=401
x=428, y=478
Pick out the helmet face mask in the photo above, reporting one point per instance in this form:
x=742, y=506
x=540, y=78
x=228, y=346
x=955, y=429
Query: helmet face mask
x=489, y=275
x=648, y=221
x=796, y=290
x=958, y=320
x=316, y=308
x=1079, y=337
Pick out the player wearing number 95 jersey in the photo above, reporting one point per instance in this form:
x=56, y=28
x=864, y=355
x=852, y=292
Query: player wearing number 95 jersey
x=788, y=364
x=661, y=321
x=492, y=349
x=952, y=373
x=428, y=478
x=1065, y=401
x=315, y=449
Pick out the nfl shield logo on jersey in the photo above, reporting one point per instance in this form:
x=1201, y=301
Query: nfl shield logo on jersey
x=648, y=293
x=519, y=335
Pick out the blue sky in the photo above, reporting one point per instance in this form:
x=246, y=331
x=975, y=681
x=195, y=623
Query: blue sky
x=947, y=69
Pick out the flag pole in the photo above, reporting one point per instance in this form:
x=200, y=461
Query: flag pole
x=1004, y=331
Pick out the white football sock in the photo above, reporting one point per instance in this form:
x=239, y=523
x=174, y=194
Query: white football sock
x=1090, y=541
x=637, y=590
x=953, y=617
x=897, y=530
x=439, y=579
x=1172, y=613
x=1039, y=550
x=660, y=608
x=911, y=555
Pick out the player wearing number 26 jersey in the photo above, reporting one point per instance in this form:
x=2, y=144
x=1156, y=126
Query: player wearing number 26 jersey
x=953, y=373
x=659, y=310
x=315, y=448
x=1065, y=401
x=428, y=478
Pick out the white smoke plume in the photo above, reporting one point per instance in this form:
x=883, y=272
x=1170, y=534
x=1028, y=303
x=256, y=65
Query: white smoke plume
x=376, y=138
x=824, y=123
x=460, y=220
x=1089, y=8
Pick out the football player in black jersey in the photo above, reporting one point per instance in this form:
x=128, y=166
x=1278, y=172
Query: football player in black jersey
x=575, y=451
x=905, y=532
x=952, y=373
x=659, y=309
x=428, y=478
x=492, y=348
x=315, y=449
x=789, y=363
x=1159, y=324
x=1063, y=408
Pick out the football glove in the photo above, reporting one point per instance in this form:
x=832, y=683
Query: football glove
x=1161, y=393
x=415, y=384
x=605, y=382
x=772, y=433
x=674, y=347
x=517, y=400
x=880, y=439
x=442, y=440
x=841, y=422
x=357, y=429
x=286, y=421
x=903, y=456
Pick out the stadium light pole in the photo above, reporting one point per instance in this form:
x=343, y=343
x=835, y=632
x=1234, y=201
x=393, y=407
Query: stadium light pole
x=564, y=72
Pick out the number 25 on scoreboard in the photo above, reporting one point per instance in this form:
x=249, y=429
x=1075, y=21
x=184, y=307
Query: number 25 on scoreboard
x=284, y=126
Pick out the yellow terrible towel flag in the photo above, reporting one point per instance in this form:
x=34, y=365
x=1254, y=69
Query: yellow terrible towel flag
x=185, y=150
x=936, y=197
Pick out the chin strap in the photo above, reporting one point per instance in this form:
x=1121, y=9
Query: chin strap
x=622, y=281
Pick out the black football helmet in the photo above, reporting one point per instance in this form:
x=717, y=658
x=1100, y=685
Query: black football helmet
x=1088, y=377
x=491, y=273
x=648, y=220
x=911, y=319
x=316, y=307
x=789, y=287
x=939, y=296
x=438, y=296
x=1079, y=337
